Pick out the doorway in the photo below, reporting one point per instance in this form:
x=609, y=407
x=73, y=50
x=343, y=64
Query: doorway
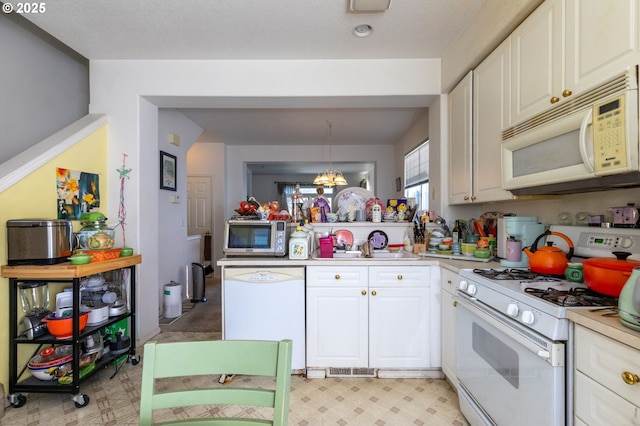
x=199, y=212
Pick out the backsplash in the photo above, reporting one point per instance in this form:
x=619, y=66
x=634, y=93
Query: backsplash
x=547, y=210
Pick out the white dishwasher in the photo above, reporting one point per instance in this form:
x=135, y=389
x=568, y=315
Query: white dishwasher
x=265, y=304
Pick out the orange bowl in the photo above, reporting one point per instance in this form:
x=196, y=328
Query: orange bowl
x=63, y=327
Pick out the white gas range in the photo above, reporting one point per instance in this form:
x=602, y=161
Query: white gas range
x=514, y=338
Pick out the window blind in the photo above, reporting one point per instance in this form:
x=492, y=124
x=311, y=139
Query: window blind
x=416, y=166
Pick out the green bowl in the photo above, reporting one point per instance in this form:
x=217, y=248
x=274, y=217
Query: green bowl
x=80, y=259
x=126, y=251
x=482, y=253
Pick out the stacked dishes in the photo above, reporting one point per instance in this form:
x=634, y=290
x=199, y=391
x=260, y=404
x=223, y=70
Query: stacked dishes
x=48, y=364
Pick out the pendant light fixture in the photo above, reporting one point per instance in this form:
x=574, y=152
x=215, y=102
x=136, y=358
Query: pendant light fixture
x=330, y=177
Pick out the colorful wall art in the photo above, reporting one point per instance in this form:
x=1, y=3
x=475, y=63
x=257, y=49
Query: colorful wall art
x=78, y=192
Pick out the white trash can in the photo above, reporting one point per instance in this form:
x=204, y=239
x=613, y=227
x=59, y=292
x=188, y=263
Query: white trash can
x=172, y=300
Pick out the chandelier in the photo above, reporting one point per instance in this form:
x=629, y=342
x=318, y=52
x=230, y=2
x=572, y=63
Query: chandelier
x=330, y=177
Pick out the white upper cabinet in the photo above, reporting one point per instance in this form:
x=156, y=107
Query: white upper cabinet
x=602, y=39
x=478, y=112
x=537, y=71
x=491, y=114
x=568, y=46
x=460, y=111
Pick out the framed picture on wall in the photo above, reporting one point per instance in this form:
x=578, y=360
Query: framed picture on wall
x=168, y=171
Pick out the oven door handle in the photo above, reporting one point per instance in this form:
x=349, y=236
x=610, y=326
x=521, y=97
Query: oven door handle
x=553, y=353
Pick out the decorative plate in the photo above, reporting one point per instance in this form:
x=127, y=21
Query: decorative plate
x=342, y=237
x=378, y=239
x=353, y=196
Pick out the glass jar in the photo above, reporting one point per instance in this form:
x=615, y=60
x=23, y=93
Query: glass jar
x=95, y=234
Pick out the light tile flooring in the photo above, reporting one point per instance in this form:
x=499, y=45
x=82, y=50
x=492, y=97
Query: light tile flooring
x=333, y=401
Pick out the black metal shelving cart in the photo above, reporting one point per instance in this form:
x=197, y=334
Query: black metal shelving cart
x=19, y=381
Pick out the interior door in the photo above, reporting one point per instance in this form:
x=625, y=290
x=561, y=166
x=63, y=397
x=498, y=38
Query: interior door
x=199, y=205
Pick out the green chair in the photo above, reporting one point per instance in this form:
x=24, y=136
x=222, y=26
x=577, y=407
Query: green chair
x=217, y=357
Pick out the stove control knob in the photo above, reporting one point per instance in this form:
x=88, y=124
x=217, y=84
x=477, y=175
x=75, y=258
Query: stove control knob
x=512, y=310
x=462, y=285
x=472, y=289
x=528, y=317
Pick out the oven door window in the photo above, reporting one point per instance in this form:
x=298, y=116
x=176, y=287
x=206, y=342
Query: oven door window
x=512, y=383
x=250, y=237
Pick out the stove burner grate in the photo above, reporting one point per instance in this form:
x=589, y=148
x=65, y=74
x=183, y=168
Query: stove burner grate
x=576, y=296
x=507, y=274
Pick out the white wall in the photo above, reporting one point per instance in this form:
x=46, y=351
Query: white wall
x=130, y=92
x=44, y=85
x=173, y=247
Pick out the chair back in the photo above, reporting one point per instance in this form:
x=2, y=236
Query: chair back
x=215, y=358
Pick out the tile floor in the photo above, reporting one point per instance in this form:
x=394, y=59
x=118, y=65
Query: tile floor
x=333, y=401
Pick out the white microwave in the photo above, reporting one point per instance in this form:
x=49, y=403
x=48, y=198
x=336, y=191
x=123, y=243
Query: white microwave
x=256, y=238
x=585, y=144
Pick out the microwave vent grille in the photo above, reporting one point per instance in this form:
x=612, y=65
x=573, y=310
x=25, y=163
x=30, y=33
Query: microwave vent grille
x=617, y=85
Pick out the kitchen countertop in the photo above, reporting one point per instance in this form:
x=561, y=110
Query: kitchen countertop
x=451, y=264
x=608, y=326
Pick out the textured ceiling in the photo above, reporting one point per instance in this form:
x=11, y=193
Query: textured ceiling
x=270, y=30
x=252, y=29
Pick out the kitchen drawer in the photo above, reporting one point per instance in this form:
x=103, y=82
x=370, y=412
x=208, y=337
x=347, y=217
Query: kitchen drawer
x=604, y=360
x=337, y=276
x=597, y=405
x=392, y=276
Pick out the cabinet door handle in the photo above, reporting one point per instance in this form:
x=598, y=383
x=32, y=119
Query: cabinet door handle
x=337, y=277
x=455, y=303
x=566, y=93
x=364, y=292
x=473, y=198
x=630, y=378
x=555, y=99
x=399, y=277
x=373, y=293
x=449, y=282
x=466, y=198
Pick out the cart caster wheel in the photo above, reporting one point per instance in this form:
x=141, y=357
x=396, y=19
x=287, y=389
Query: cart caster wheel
x=18, y=401
x=81, y=400
x=135, y=359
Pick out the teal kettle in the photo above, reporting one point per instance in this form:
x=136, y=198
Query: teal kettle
x=629, y=301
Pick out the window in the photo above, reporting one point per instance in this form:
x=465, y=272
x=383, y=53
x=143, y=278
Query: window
x=416, y=175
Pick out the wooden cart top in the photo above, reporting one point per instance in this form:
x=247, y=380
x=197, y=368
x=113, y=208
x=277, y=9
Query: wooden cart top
x=66, y=269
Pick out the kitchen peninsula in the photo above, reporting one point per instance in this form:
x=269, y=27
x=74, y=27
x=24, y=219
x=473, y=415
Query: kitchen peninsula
x=365, y=317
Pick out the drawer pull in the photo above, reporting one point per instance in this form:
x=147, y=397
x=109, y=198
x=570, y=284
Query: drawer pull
x=630, y=378
x=399, y=277
x=373, y=293
x=364, y=292
x=337, y=277
x=566, y=93
x=455, y=303
x=555, y=99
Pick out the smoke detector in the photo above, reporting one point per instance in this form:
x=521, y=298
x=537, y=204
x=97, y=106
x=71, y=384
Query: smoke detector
x=369, y=5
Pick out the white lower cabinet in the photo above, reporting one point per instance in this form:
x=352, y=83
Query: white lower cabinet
x=337, y=316
x=376, y=317
x=602, y=396
x=449, y=302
